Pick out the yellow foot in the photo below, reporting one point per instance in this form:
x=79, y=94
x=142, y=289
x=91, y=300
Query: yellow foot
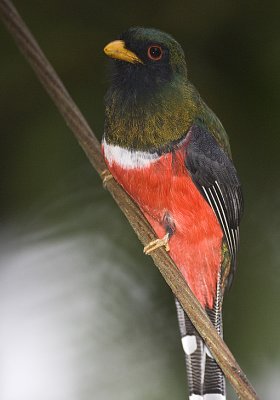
x=155, y=244
x=106, y=176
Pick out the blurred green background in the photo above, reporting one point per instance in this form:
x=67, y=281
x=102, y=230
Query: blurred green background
x=84, y=314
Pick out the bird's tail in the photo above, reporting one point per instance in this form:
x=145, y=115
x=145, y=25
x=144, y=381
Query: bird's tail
x=205, y=378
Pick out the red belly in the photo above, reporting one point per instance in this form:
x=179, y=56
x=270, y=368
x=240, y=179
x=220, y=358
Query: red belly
x=166, y=187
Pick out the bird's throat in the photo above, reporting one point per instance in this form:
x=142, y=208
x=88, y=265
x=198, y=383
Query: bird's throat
x=151, y=121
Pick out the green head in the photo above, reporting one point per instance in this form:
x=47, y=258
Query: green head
x=147, y=57
x=150, y=102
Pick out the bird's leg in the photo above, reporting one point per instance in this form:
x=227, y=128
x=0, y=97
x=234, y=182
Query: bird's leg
x=106, y=176
x=169, y=226
x=155, y=244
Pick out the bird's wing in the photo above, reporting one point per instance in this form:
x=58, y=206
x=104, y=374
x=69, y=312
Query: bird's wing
x=215, y=176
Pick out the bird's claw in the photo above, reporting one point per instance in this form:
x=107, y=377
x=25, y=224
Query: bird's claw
x=106, y=176
x=155, y=244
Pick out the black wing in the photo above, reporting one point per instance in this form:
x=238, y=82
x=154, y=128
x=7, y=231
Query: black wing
x=216, y=178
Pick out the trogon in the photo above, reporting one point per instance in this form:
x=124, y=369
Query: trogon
x=171, y=154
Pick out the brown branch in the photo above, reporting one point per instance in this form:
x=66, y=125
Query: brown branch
x=75, y=120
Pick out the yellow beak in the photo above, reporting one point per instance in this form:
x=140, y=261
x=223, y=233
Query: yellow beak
x=117, y=50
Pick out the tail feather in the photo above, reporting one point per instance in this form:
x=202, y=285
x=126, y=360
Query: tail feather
x=195, y=354
x=205, y=378
x=214, y=380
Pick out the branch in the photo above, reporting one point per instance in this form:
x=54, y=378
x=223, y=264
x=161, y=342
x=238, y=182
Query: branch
x=80, y=128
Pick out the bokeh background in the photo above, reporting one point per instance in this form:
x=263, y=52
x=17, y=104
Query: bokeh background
x=84, y=314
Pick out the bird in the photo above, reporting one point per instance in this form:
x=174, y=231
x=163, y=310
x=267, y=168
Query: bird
x=171, y=154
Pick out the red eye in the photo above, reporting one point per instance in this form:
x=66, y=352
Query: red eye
x=155, y=52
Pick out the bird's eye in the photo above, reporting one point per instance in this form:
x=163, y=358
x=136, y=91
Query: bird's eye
x=155, y=53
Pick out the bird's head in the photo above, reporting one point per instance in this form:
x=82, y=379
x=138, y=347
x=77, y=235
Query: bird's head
x=145, y=59
x=150, y=102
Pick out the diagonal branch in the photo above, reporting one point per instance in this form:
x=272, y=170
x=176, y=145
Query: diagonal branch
x=80, y=128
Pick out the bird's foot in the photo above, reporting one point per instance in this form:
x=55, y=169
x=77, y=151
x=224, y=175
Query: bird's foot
x=106, y=176
x=155, y=244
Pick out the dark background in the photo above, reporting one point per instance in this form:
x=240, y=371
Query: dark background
x=84, y=314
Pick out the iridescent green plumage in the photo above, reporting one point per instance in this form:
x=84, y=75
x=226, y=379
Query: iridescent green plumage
x=161, y=102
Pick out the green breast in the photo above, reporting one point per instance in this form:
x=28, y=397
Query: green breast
x=158, y=119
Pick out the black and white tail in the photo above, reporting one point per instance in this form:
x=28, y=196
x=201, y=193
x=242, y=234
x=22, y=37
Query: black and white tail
x=205, y=378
